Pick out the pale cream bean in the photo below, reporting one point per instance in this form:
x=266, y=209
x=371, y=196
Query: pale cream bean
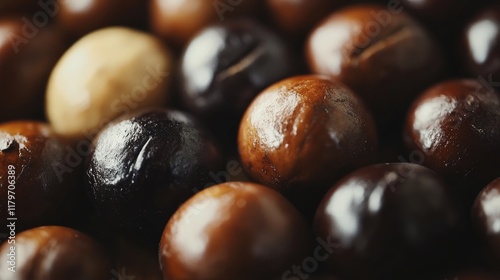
x=105, y=74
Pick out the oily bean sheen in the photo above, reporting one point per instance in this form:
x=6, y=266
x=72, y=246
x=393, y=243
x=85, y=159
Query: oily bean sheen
x=233, y=231
x=55, y=253
x=144, y=165
x=225, y=66
x=486, y=217
x=481, y=45
x=303, y=133
x=453, y=126
x=383, y=54
x=389, y=221
x=46, y=181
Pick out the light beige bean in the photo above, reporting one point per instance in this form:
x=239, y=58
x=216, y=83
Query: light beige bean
x=105, y=74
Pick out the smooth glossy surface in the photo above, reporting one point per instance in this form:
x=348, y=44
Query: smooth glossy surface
x=226, y=66
x=381, y=53
x=454, y=126
x=302, y=133
x=389, y=221
x=298, y=17
x=481, y=44
x=45, y=185
x=143, y=166
x=178, y=21
x=233, y=231
x=486, y=216
x=106, y=74
x=26, y=58
x=83, y=16
x=55, y=253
